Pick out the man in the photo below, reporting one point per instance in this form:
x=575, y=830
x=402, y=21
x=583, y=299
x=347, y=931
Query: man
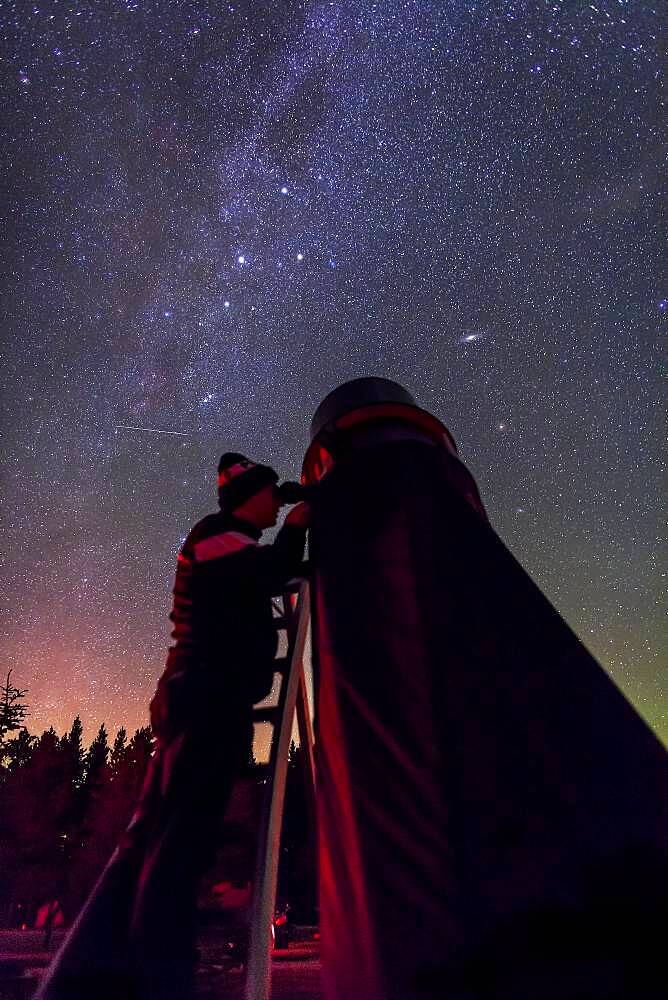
x=222, y=609
x=135, y=936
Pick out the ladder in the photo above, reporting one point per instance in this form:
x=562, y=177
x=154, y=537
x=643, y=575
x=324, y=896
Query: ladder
x=292, y=615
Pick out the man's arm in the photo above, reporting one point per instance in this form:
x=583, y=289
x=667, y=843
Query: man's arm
x=231, y=563
x=273, y=565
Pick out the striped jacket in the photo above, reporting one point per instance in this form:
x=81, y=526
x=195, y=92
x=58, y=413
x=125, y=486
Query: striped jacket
x=225, y=639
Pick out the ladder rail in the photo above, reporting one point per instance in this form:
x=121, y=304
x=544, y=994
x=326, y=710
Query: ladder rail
x=292, y=698
x=307, y=744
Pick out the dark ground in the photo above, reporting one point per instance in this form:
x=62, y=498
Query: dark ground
x=291, y=980
x=295, y=975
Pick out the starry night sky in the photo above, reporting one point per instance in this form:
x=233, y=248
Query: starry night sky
x=218, y=212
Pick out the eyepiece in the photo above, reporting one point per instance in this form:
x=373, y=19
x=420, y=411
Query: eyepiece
x=291, y=492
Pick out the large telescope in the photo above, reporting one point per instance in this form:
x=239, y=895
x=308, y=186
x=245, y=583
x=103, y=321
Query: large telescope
x=490, y=805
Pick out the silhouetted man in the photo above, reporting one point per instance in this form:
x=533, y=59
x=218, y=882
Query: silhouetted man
x=135, y=936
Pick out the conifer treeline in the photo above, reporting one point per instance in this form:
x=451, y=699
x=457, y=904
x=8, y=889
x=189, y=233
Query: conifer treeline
x=62, y=810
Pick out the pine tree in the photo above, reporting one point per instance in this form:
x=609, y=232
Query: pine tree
x=13, y=712
x=140, y=750
x=118, y=751
x=72, y=745
x=128, y=768
x=96, y=759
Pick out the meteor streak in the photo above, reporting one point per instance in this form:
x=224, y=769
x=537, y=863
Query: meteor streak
x=149, y=430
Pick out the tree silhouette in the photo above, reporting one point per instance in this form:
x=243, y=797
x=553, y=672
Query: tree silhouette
x=72, y=745
x=118, y=751
x=140, y=749
x=95, y=767
x=13, y=712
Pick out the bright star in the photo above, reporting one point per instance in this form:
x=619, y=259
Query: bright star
x=226, y=304
x=241, y=259
x=300, y=256
x=284, y=190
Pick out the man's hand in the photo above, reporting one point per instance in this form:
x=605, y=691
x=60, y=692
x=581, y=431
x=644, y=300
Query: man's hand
x=300, y=515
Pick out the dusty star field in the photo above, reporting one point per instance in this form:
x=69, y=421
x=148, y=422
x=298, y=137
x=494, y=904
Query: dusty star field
x=214, y=213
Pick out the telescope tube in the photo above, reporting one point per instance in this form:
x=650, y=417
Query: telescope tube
x=489, y=804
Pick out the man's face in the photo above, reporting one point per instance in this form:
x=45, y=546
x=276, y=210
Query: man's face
x=261, y=509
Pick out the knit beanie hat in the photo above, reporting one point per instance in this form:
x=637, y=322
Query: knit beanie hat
x=239, y=479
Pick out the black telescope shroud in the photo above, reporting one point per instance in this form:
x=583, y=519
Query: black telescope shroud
x=491, y=808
